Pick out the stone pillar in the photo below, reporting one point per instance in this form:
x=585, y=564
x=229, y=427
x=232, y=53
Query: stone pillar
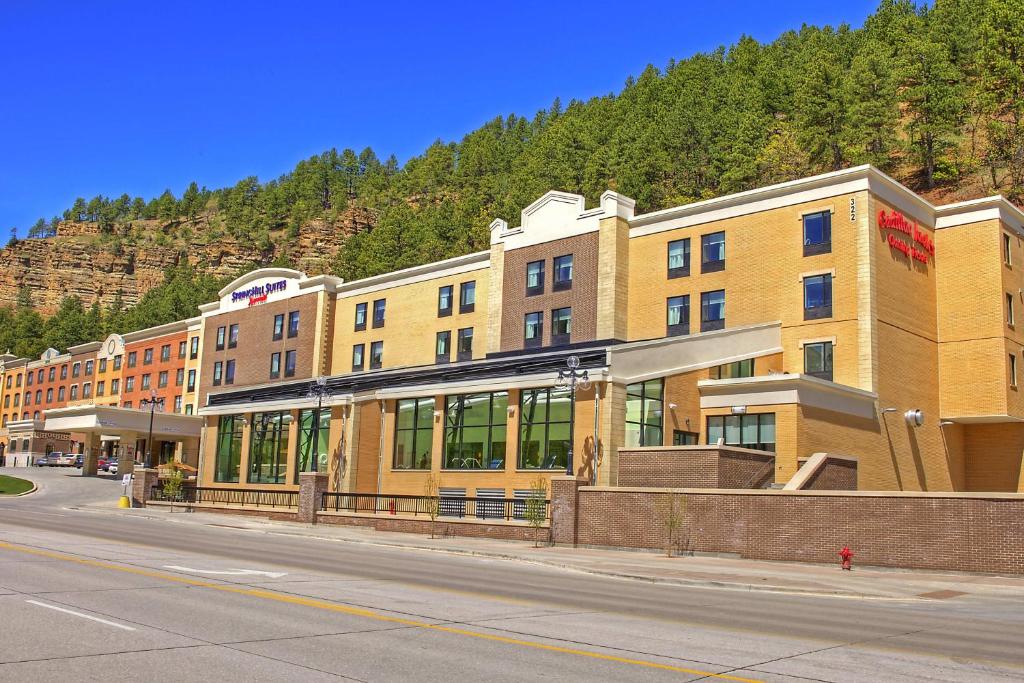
x=564, y=508
x=311, y=487
x=91, y=455
x=143, y=482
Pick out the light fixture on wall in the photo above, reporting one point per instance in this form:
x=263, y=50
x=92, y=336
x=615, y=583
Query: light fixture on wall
x=946, y=423
x=914, y=417
x=511, y=410
x=890, y=410
x=437, y=414
x=739, y=410
x=672, y=406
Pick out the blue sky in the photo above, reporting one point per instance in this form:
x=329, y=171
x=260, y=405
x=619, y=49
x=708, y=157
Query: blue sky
x=108, y=97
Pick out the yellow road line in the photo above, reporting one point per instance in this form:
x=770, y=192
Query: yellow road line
x=359, y=612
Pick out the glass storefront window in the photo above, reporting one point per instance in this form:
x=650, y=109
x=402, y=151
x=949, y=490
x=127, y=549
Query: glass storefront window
x=414, y=434
x=545, y=430
x=268, y=448
x=229, y=448
x=644, y=413
x=306, y=440
x=475, y=431
x=747, y=431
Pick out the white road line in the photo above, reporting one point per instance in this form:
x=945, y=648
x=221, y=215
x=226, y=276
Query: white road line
x=228, y=572
x=79, y=614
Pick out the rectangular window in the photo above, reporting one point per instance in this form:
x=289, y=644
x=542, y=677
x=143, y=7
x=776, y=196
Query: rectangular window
x=76, y=370
x=39, y=376
x=128, y=405
x=357, y=357
x=360, y=317
x=147, y=357
x=712, y=310
x=61, y=395
x=379, y=309
x=561, y=326
x=562, y=273
x=193, y=351
x=161, y=381
x=444, y=300
x=275, y=365
x=64, y=372
x=165, y=354
x=101, y=388
x=443, y=347
x=414, y=434
x=233, y=336
x=681, y=438
x=306, y=439
x=475, y=432
x=86, y=390
x=679, y=258
x=182, y=350
x=188, y=408
x=746, y=431
x=191, y=386
x=229, y=372
x=376, y=355
x=678, y=313
x=818, y=360
x=74, y=392
x=817, y=297
x=218, y=373
x=229, y=448
x=52, y=374
x=545, y=430
x=734, y=370
x=30, y=379
x=278, y=334
x=268, y=448
x=817, y=233
x=290, y=358
x=467, y=297
x=464, y=348
x=644, y=423
x=221, y=334
x=88, y=368
x=1013, y=370
x=293, y=324
x=1009, y=309
x=712, y=249
x=534, y=278
x=115, y=388
x=1007, y=258
x=145, y=382
x=103, y=366
x=179, y=377
x=533, y=330
x=177, y=404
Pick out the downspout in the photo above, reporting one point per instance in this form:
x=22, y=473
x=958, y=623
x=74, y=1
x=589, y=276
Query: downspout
x=597, y=430
x=380, y=448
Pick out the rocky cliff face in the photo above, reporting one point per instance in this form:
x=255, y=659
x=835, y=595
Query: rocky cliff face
x=80, y=262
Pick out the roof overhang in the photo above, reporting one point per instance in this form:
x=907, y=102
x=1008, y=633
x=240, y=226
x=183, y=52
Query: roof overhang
x=983, y=419
x=93, y=419
x=787, y=389
x=640, y=361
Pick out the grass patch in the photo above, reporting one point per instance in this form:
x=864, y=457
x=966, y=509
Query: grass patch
x=12, y=486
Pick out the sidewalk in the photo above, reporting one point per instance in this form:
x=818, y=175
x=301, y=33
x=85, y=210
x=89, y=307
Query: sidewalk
x=707, y=571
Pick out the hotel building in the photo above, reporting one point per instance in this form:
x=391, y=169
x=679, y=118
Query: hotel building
x=840, y=313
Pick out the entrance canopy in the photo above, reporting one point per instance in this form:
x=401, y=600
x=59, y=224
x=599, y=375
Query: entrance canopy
x=109, y=421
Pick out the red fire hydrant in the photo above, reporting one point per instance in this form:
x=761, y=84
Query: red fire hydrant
x=847, y=557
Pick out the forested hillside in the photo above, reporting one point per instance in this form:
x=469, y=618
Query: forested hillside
x=933, y=95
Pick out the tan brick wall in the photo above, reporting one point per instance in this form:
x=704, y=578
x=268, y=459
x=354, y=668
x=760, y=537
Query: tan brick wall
x=613, y=279
x=994, y=456
x=411, y=322
x=582, y=297
x=901, y=530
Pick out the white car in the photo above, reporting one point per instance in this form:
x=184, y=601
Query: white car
x=112, y=467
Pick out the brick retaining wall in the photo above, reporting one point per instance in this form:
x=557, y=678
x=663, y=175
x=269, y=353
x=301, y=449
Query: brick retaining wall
x=962, y=532
x=834, y=475
x=710, y=467
x=444, y=526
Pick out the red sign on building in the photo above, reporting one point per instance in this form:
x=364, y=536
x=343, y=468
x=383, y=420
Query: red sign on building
x=919, y=247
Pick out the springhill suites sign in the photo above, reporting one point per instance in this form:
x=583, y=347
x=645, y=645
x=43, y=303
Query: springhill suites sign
x=257, y=294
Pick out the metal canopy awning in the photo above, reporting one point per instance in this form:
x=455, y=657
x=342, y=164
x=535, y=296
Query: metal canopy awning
x=109, y=421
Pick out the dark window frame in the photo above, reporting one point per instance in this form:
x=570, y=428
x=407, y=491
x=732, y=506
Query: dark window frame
x=708, y=324
x=417, y=431
x=445, y=311
x=454, y=423
x=561, y=338
x=221, y=339
x=678, y=271
x=823, y=310
x=558, y=285
x=460, y=353
x=529, y=421
x=711, y=265
x=291, y=360
x=469, y=286
x=827, y=360
x=378, y=321
x=360, y=308
x=275, y=360
x=538, y=289
x=538, y=341
x=824, y=244
x=294, y=320
x=379, y=363
x=445, y=356
x=277, y=332
x=760, y=445
x=681, y=328
x=233, y=335
x=362, y=357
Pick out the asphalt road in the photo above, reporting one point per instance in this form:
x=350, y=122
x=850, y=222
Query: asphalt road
x=324, y=610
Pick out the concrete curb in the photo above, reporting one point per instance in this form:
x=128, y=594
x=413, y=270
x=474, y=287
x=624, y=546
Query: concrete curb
x=565, y=566
x=23, y=493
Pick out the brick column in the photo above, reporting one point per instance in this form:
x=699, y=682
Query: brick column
x=311, y=486
x=143, y=481
x=89, y=462
x=564, y=503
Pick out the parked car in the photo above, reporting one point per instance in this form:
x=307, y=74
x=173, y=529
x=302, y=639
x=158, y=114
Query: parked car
x=79, y=460
x=101, y=464
x=41, y=461
x=58, y=459
x=112, y=467
x=107, y=464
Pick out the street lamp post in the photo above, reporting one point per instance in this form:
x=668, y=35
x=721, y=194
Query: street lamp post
x=571, y=379
x=153, y=401
x=319, y=390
